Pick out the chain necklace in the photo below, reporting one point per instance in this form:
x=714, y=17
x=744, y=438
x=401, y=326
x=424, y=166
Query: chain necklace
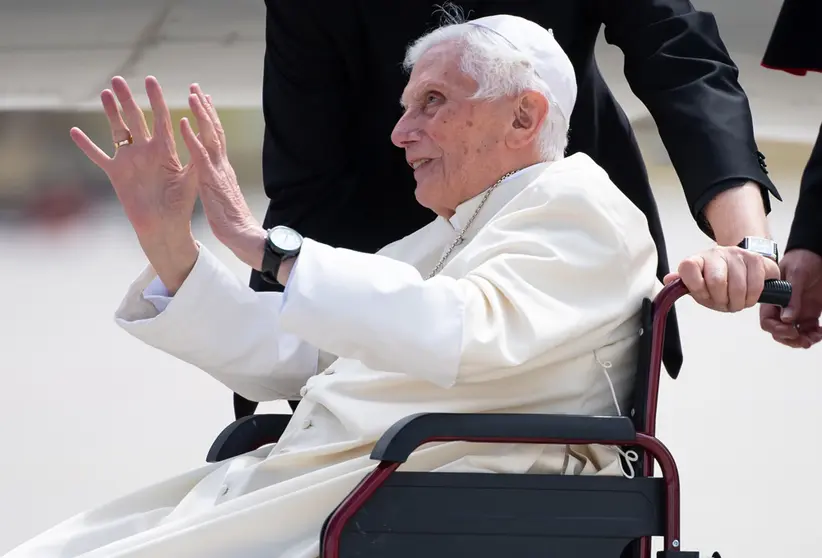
x=461, y=235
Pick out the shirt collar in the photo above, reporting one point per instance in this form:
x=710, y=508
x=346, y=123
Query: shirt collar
x=503, y=193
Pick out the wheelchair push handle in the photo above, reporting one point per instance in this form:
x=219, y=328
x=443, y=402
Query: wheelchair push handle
x=776, y=292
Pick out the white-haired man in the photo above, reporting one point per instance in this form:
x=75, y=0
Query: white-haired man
x=522, y=295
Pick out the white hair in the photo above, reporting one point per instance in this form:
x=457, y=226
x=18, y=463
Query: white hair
x=500, y=70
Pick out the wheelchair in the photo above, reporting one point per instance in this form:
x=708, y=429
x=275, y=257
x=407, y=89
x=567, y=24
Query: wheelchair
x=394, y=514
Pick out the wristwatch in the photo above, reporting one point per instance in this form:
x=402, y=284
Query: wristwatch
x=762, y=246
x=281, y=243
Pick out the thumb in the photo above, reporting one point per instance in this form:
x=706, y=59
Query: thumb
x=797, y=277
x=669, y=278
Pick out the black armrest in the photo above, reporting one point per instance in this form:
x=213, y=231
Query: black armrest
x=247, y=434
x=408, y=434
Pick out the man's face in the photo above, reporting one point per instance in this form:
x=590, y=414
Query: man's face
x=456, y=145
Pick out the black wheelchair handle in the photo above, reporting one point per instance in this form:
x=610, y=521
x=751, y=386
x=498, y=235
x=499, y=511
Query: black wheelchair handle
x=776, y=292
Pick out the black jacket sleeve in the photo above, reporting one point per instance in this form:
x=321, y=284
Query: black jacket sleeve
x=806, y=230
x=794, y=45
x=678, y=66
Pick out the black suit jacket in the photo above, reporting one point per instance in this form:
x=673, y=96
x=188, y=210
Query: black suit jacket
x=333, y=78
x=795, y=46
x=806, y=229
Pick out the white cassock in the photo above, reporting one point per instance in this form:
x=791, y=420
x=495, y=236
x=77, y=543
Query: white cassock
x=536, y=312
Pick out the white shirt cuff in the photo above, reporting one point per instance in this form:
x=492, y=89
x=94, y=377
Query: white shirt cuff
x=157, y=294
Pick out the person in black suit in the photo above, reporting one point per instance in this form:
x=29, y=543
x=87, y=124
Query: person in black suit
x=333, y=76
x=795, y=47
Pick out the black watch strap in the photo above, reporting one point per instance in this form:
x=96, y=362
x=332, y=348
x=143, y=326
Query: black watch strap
x=271, y=264
x=282, y=243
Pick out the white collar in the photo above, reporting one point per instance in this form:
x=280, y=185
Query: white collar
x=506, y=189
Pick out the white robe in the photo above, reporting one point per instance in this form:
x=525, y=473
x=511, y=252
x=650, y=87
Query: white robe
x=536, y=312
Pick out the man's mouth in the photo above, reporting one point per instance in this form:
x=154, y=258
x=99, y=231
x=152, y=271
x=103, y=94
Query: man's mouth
x=418, y=163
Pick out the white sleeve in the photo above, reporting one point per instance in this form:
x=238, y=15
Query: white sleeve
x=542, y=283
x=223, y=327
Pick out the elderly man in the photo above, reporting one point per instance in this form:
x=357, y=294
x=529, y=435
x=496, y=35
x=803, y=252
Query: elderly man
x=522, y=295
x=331, y=71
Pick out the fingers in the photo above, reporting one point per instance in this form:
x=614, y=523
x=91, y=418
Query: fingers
x=808, y=334
x=797, y=277
x=119, y=130
x=208, y=122
x=207, y=133
x=796, y=325
x=209, y=106
x=815, y=336
x=195, y=147
x=691, y=273
x=727, y=278
x=212, y=111
x=738, y=282
x=133, y=115
x=769, y=319
x=716, y=274
x=770, y=269
x=162, y=116
x=97, y=155
x=803, y=337
x=754, y=267
x=782, y=333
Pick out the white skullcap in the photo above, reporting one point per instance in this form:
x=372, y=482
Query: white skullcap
x=538, y=44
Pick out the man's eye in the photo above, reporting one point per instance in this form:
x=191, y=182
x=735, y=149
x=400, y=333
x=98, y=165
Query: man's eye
x=432, y=98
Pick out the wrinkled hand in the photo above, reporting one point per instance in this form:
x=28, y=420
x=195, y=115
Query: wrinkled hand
x=157, y=193
x=725, y=278
x=797, y=325
x=227, y=212
x=152, y=185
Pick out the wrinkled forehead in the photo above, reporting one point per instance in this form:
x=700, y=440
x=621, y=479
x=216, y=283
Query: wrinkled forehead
x=438, y=69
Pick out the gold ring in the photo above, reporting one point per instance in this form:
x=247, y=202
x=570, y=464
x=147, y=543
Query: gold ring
x=127, y=141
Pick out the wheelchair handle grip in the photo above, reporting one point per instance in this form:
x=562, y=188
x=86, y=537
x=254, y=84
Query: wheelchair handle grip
x=776, y=292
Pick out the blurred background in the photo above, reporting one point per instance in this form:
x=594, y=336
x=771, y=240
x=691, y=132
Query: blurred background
x=88, y=413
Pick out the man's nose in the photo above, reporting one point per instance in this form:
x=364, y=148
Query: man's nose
x=405, y=131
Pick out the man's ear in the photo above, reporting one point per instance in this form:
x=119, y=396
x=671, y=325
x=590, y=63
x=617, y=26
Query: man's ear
x=530, y=112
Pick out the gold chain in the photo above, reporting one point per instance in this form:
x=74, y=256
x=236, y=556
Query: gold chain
x=461, y=235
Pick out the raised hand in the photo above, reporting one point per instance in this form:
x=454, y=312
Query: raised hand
x=156, y=191
x=227, y=212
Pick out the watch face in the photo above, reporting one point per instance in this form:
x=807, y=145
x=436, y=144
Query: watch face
x=285, y=238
